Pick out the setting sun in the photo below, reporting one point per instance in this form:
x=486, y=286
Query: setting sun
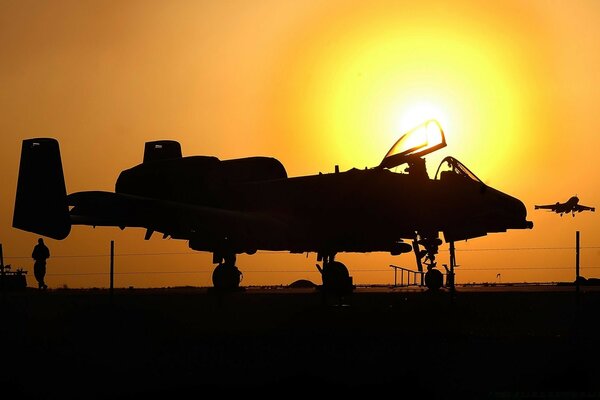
x=419, y=112
x=364, y=79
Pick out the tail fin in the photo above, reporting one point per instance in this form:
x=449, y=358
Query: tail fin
x=41, y=200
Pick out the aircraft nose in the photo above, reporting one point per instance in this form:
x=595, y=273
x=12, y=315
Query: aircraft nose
x=512, y=211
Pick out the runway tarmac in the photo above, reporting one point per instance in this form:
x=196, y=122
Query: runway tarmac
x=485, y=342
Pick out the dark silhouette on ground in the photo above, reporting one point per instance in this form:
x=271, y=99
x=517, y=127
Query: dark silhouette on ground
x=40, y=254
x=179, y=343
x=570, y=206
x=588, y=281
x=302, y=284
x=229, y=207
x=12, y=279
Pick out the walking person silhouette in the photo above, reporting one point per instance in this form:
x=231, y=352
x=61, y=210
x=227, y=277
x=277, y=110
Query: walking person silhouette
x=40, y=254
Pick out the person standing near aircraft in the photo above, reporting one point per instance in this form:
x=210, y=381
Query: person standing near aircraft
x=40, y=254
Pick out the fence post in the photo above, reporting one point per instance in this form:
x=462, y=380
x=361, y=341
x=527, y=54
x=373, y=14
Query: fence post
x=577, y=264
x=112, y=266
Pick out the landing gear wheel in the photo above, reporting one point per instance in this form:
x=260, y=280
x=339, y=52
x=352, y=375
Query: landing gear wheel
x=434, y=279
x=336, y=278
x=226, y=277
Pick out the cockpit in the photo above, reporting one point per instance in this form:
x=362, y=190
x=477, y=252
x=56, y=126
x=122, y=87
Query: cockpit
x=450, y=166
x=419, y=141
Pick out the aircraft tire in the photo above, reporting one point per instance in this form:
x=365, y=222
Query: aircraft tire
x=226, y=277
x=434, y=279
x=336, y=278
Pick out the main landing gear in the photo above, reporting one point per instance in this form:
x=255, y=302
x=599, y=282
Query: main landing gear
x=226, y=276
x=335, y=275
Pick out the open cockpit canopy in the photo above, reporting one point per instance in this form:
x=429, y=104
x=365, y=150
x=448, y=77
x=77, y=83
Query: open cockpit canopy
x=419, y=141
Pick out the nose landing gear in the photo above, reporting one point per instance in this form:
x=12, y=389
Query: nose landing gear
x=434, y=279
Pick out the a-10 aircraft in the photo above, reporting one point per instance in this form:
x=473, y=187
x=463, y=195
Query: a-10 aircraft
x=230, y=207
x=570, y=206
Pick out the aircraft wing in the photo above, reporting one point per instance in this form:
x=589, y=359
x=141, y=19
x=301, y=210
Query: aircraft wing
x=580, y=208
x=551, y=207
x=175, y=219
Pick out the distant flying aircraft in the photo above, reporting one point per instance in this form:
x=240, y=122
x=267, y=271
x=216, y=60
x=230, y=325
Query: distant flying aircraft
x=570, y=206
x=230, y=207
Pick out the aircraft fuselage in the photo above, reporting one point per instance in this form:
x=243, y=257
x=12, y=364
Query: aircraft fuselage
x=356, y=210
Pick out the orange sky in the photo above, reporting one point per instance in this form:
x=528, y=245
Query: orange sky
x=515, y=85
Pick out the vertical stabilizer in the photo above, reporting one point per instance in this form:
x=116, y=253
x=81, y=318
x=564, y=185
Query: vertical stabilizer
x=41, y=199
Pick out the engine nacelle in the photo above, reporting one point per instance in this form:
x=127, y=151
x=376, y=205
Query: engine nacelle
x=166, y=175
x=399, y=248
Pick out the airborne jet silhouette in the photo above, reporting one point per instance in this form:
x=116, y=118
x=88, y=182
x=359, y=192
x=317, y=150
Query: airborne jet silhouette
x=570, y=206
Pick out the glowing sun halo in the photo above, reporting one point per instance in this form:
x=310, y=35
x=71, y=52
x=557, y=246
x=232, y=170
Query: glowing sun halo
x=419, y=112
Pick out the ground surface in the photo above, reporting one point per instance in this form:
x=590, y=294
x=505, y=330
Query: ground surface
x=480, y=343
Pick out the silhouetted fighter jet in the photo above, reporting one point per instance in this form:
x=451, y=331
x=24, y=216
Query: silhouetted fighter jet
x=570, y=206
x=230, y=207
